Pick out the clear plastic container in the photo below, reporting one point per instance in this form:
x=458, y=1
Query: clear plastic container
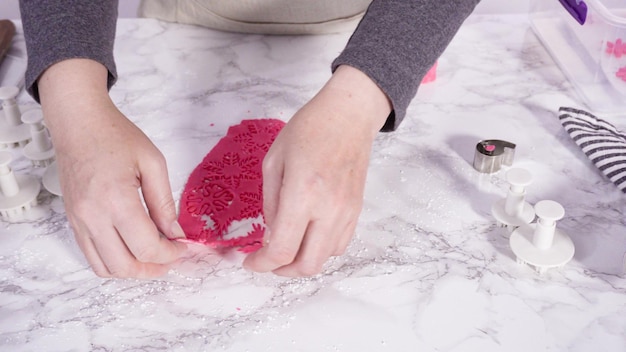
x=592, y=55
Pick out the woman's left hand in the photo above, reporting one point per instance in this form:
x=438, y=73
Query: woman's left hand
x=314, y=175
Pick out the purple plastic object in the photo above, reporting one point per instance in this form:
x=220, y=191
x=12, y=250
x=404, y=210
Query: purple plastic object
x=576, y=8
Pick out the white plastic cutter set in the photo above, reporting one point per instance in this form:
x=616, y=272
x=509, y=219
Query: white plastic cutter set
x=539, y=244
x=23, y=127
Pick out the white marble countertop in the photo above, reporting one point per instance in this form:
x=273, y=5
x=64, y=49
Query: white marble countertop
x=428, y=270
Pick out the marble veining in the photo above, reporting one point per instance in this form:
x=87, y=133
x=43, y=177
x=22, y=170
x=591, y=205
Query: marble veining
x=428, y=269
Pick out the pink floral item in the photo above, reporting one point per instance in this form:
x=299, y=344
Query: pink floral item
x=621, y=73
x=617, y=48
x=222, y=203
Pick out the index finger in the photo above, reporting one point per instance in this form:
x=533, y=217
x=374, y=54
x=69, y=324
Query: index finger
x=289, y=225
x=142, y=237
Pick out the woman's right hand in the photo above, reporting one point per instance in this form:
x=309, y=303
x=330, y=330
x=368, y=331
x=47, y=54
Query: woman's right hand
x=103, y=160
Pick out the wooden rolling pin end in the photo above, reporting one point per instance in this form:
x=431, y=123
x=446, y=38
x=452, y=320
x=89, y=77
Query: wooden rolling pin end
x=7, y=31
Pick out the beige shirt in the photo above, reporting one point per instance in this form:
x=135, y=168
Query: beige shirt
x=261, y=16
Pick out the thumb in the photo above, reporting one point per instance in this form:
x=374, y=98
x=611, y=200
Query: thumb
x=157, y=193
x=272, y=182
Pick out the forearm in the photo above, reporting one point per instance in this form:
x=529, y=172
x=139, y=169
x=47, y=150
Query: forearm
x=398, y=41
x=73, y=92
x=351, y=93
x=66, y=29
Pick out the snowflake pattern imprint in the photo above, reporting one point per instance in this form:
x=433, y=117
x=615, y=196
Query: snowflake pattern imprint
x=226, y=189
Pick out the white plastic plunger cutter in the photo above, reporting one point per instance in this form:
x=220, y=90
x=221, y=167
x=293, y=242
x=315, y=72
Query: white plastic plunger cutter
x=514, y=211
x=13, y=132
x=17, y=193
x=542, y=245
x=50, y=180
x=39, y=151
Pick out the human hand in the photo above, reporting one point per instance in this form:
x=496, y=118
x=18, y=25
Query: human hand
x=103, y=159
x=314, y=175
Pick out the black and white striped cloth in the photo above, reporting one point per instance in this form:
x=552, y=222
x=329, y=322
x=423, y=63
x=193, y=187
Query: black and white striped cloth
x=601, y=141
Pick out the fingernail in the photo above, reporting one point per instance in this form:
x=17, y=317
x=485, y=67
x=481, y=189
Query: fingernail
x=266, y=237
x=177, y=230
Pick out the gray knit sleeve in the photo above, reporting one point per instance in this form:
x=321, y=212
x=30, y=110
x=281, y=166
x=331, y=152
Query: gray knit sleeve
x=398, y=41
x=64, y=29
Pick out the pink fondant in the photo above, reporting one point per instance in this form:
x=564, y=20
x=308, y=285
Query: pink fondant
x=227, y=186
x=490, y=147
x=431, y=75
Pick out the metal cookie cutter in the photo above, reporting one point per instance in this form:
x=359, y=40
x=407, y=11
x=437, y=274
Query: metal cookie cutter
x=491, y=154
